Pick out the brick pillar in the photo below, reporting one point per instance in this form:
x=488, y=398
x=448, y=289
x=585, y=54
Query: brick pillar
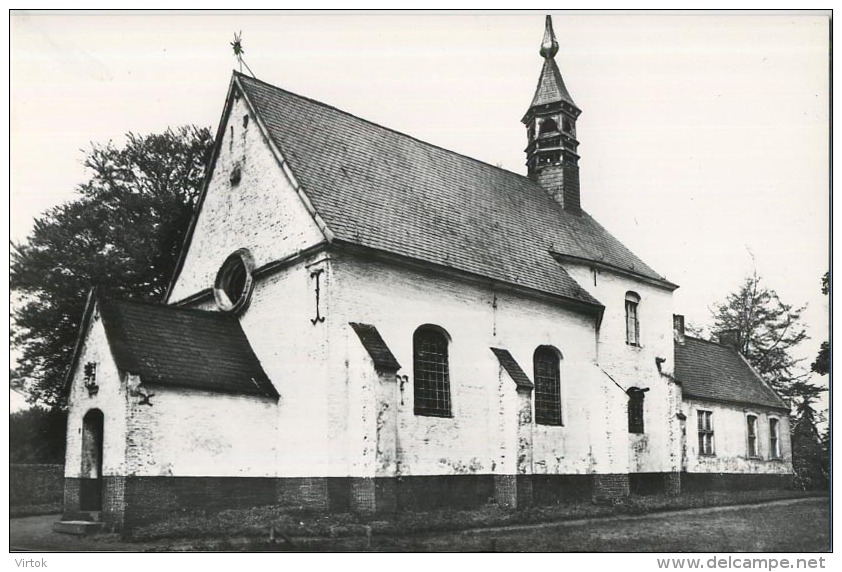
x=363, y=498
x=672, y=483
x=524, y=447
x=114, y=501
x=70, y=507
x=384, y=499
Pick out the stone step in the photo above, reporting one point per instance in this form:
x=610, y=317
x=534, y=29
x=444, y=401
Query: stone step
x=77, y=527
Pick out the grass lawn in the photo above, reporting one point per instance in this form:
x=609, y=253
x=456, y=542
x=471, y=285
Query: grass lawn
x=797, y=527
x=249, y=529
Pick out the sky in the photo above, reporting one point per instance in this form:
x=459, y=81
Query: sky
x=703, y=137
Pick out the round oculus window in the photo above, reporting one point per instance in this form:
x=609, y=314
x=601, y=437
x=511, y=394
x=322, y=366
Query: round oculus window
x=233, y=285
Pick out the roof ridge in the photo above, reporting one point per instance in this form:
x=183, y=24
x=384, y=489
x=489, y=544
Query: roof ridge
x=711, y=342
x=379, y=126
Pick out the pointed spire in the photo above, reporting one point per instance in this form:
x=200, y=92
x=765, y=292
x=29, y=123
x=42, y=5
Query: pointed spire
x=549, y=45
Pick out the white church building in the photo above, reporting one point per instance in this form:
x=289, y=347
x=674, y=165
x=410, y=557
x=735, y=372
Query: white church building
x=363, y=321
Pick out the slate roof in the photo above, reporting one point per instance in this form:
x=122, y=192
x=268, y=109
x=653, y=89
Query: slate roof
x=388, y=191
x=512, y=367
x=178, y=347
x=708, y=370
x=376, y=347
x=551, y=88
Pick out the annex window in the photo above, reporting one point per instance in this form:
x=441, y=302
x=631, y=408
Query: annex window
x=774, y=439
x=751, y=429
x=547, y=364
x=632, y=319
x=636, y=409
x=705, y=432
x=431, y=371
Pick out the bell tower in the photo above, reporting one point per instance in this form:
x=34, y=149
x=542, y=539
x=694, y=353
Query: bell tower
x=552, y=158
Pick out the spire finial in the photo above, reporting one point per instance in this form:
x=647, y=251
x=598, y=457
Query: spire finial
x=549, y=45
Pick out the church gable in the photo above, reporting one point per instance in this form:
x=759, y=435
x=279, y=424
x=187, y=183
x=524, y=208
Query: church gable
x=250, y=202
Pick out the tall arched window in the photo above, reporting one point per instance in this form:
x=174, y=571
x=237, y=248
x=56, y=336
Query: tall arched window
x=431, y=372
x=774, y=439
x=632, y=320
x=635, y=409
x=546, y=363
x=751, y=430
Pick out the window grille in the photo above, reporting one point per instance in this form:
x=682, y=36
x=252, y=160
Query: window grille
x=547, y=386
x=751, y=421
x=705, y=433
x=632, y=321
x=431, y=371
x=635, y=410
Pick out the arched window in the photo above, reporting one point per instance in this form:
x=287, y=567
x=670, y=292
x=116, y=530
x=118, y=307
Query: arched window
x=751, y=429
x=546, y=362
x=636, y=396
x=774, y=439
x=632, y=320
x=431, y=372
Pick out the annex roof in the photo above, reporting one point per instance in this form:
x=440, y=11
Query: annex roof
x=708, y=370
x=384, y=190
x=172, y=346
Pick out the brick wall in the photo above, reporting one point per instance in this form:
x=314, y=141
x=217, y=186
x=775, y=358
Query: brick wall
x=701, y=482
x=151, y=498
x=35, y=484
x=610, y=486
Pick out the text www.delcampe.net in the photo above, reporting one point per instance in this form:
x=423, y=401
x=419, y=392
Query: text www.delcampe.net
x=742, y=562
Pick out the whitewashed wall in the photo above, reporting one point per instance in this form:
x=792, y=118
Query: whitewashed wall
x=730, y=438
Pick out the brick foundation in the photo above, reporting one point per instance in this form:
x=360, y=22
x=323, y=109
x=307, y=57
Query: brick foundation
x=555, y=489
x=444, y=491
x=610, y=486
x=132, y=501
x=700, y=482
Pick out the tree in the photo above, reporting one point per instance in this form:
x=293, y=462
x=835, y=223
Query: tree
x=122, y=234
x=810, y=454
x=822, y=364
x=768, y=329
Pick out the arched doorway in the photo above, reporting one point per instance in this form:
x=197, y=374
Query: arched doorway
x=90, y=493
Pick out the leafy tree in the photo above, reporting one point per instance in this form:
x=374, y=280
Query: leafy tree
x=822, y=364
x=768, y=329
x=810, y=455
x=122, y=234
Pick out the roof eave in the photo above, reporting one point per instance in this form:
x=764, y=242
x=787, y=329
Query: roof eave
x=738, y=402
x=658, y=282
x=188, y=237
x=90, y=304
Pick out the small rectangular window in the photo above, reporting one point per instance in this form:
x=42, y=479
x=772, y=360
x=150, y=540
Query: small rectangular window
x=705, y=432
x=751, y=423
